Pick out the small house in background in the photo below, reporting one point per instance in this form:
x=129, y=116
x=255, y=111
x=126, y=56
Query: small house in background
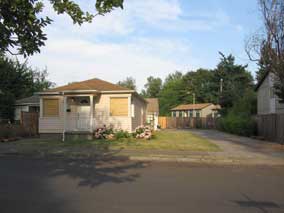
x=203, y=110
x=29, y=104
x=152, y=112
x=267, y=101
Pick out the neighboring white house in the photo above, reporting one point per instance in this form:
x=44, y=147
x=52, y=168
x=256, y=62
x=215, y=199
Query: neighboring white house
x=267, y=101
x=153, y=112
x=29, y=104
x=82, y=107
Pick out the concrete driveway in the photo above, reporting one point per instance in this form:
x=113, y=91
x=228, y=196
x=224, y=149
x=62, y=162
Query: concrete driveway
x=243, y=148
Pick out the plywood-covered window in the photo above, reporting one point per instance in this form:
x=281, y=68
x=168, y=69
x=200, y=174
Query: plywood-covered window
x=50, y=107
x=119, y=106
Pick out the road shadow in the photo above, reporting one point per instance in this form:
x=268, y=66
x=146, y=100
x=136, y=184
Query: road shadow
x=94, y=171
x=261, y=206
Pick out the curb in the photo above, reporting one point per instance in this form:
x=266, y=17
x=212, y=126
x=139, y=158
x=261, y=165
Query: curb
x=206, y=161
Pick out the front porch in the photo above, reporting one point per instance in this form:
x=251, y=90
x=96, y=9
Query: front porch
x=78, y=114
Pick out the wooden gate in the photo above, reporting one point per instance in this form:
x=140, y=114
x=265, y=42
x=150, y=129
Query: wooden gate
x=29, y=120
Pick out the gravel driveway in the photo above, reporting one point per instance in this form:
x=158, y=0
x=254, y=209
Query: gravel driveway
x=243, y=148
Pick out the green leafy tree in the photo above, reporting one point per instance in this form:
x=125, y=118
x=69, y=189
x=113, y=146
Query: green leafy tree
x=236, y=80
x=172, y=93
x=129, y=83
x=152, y=87
x=201, y=84
x=267, y=48
x=21, y=23
x=18, y=80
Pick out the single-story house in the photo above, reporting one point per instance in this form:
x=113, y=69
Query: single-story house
x=152, y=112
x=203, y=110
x=82, y=107
x=267, y=101
x=29, y=104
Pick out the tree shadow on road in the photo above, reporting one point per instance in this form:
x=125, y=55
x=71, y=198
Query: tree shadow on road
x=93, y=171
x=262, y=206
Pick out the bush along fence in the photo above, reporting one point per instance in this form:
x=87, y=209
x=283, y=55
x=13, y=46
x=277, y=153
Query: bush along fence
x=27, y=127
x=187, y=123
x=271, y=127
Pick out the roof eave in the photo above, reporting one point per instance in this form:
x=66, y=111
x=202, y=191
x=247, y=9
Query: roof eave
x=118, y=91
x=66, y=91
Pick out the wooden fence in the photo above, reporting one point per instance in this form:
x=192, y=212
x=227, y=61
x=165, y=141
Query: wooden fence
x=29, y=120
x=271, y=127
x=187, y=123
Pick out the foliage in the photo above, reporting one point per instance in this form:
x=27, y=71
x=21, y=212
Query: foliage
x=18, y=80
x=104, y=133
x=143, y=132
x=267, y=48
x=238, y=124
x=22, y=24
x=172, y=93
x=120, y=134
x=110, y=134
x=236, y=80
x=203, y=86
x=129, y=83
x=200, y=85
x=152, y=87
x=9, y=131
x=239, y=119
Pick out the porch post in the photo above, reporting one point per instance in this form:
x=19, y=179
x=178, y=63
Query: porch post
x=64, y=116
x=92, y=113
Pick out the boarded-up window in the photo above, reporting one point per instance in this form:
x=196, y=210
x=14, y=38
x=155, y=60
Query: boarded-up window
x=50, y=108
x=119, y=106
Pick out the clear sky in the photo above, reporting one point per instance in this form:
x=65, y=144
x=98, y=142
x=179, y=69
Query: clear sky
x=149, y=37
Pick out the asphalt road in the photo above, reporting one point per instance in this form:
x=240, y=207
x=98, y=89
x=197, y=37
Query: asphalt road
x=30, y=185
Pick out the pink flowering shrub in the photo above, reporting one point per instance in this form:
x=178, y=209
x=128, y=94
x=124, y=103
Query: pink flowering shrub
x=104, y=133
x=143, y=132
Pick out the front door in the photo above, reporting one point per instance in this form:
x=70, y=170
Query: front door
x=83, y=119
x=79, y=114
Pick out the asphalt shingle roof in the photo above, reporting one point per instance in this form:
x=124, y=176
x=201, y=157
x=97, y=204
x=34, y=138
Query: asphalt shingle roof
x=92, y=84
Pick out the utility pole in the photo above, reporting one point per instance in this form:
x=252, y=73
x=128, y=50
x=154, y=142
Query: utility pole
x=221, y=85
x=193, y=96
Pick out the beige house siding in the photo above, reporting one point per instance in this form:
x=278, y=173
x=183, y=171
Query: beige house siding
x=51, y=124
x=102, y=113
x=207, y=111
x=139, y=115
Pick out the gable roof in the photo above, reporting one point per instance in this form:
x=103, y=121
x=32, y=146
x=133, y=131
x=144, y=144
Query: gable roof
x=92, y=84
x=261, y=80
x=153, y=104
x=191, y=106
x=32, y=100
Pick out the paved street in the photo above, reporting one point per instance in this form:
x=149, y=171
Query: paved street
x=30, y=185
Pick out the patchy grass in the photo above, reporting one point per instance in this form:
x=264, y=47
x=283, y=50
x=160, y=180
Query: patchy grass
x=169, y=140
x=174, y=140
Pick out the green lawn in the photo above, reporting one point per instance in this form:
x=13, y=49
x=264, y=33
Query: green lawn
x=170, y=140
x=163, y=140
